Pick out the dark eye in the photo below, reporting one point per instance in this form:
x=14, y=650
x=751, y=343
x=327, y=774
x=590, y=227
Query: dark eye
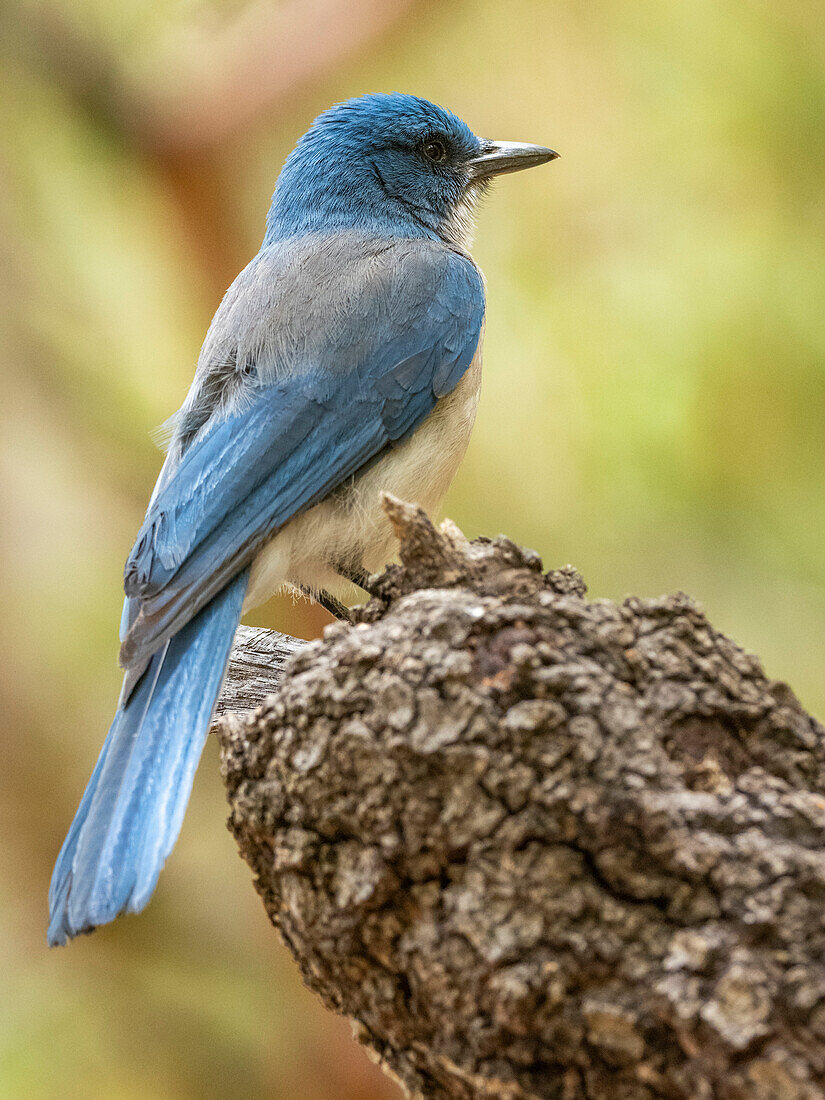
x=434, y=151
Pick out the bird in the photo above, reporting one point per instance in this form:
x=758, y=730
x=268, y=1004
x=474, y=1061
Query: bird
x=343, y=362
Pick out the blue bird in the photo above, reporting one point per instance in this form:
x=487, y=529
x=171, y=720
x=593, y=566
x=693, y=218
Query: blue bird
x=342, y=362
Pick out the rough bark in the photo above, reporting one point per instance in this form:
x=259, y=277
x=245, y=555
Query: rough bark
x=538, y=846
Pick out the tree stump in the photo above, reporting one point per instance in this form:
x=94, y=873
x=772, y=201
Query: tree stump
x=542, y=847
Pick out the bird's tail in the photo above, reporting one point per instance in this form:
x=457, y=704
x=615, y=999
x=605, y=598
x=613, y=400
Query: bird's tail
x=133, y=807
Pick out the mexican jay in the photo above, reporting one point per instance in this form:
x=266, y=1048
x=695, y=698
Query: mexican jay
x=343, y=361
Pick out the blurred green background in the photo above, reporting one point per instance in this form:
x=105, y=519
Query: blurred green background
x=653, y=409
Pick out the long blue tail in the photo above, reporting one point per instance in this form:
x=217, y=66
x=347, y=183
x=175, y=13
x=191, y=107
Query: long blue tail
x=133, y=807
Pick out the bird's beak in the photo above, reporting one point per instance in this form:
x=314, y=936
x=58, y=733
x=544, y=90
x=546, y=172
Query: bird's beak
x=508, y=156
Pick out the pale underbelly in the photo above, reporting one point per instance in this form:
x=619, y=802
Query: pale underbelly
x=350, y=526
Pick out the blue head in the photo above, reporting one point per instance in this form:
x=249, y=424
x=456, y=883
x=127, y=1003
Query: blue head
x=392, y=165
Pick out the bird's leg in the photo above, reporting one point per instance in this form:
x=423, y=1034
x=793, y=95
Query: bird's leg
x=355, y=573
x=337, y=609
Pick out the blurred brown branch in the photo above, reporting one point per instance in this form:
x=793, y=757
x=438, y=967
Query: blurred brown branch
x=245, y=70
x=543, y=847
x=211, y=77
x=207, y=82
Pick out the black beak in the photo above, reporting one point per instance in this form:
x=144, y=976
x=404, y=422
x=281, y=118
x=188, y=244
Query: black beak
x=500, y=157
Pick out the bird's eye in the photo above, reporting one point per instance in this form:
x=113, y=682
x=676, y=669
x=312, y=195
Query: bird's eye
x=434, y=151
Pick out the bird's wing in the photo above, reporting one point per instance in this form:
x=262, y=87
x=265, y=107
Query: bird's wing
x=302, y=436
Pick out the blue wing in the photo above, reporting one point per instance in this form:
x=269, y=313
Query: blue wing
x=301, y=437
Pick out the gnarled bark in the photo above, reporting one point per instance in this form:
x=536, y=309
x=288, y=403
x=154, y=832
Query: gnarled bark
x=537, y=846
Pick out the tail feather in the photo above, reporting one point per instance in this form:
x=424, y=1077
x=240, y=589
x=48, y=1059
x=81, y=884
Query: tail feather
x=133, y=807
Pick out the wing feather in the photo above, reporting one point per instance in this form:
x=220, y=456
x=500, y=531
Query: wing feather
x=303, y=435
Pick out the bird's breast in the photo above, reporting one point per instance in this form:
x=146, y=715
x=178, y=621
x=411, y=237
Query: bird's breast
x=350, y=525
x=422, y=468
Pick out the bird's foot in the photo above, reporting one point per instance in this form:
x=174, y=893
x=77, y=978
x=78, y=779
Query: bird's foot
x=358, y=576
x=337, y=609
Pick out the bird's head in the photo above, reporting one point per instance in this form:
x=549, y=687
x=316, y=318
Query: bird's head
x=390, y=164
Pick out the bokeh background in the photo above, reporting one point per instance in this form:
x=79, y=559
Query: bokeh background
x=653, y=409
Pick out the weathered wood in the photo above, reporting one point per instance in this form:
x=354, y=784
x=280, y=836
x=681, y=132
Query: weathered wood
x=255, y=667
x=542, y=847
